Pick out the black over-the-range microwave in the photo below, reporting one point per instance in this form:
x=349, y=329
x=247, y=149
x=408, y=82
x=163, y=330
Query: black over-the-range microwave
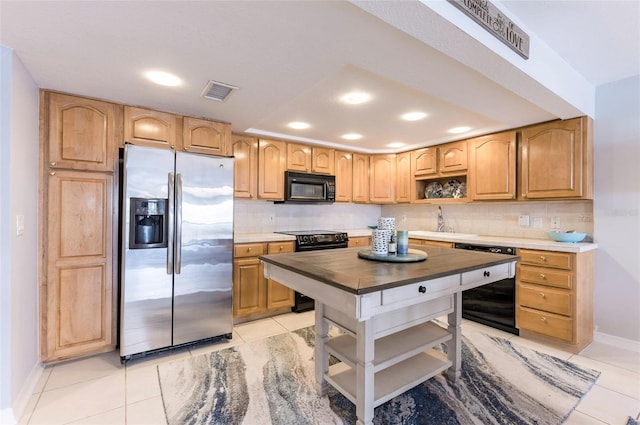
x=306, y=188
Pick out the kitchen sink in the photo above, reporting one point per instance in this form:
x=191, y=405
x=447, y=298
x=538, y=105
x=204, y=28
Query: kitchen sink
x=429, y=234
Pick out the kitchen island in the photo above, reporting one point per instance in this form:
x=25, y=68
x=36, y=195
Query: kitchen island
x=385, y=312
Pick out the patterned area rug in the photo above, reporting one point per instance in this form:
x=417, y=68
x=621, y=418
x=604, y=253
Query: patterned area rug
x=271, y=381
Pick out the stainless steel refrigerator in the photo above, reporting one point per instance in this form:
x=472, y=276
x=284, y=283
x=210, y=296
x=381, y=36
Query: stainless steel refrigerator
x=177, y=249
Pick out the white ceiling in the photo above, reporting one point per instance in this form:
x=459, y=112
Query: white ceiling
x=291, y=61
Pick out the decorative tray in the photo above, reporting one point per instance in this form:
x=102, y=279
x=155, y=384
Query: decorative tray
x=414, y=255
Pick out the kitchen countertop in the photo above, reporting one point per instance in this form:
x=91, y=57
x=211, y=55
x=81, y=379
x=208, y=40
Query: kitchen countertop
x=543, y=244
x=343, y=268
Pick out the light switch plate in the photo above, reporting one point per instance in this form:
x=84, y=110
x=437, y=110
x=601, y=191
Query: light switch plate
x=523, y=221
x=19, y=224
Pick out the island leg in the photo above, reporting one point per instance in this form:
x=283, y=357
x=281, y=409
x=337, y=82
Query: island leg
x=365, y=347
x=321, y=353
x=454, y=346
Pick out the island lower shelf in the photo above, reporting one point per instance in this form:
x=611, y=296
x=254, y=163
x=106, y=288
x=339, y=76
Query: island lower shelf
x=393, y=380
x=401, y=361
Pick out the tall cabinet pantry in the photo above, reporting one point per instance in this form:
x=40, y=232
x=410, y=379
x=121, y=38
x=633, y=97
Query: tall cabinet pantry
x=78, y=202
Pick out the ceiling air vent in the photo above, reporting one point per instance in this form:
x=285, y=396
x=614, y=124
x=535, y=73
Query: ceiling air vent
x=217, y=91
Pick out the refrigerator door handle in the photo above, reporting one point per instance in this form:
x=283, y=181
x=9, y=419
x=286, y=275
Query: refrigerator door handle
x=178, y=244
x=170, y=224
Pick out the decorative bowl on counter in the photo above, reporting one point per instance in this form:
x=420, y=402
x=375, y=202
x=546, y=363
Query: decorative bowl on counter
x=566, y=236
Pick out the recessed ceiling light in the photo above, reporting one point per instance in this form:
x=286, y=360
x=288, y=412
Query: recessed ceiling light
x=298, y=125
x=395, y=145
x=352, y=136
x=163, y=78
x=458, y=130
x=413, y=116
x=356, y=98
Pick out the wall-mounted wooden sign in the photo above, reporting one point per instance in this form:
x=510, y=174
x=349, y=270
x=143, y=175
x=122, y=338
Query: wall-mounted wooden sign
x=494, y=21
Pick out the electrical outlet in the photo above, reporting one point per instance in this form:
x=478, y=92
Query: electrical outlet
x=523, y=221
x=555, y=223
x=403, y=218
x=271, y=218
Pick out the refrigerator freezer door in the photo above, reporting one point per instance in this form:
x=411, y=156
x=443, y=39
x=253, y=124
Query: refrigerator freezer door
x=204, y=263
x=146, y=289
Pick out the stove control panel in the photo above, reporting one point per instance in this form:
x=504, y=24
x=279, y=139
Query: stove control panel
x=322, y=239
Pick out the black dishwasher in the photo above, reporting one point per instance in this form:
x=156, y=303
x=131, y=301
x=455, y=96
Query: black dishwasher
x=493, y=304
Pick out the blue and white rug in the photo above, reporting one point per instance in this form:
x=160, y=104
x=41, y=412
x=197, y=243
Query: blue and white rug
x=271, y=381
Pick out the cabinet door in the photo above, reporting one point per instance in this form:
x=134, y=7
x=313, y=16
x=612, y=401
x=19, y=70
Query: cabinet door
x=78, y=293
x=278, y=295
x=344, y=176
x=206, y=137
x=322, y=160
x=81, y=133
x=272, y=156
x=298, y=157
x=146, y=127
x=382, y=183
x=360, y=178
x=556, y=160
x=424, y=161
x=493, y=166
x=452, y=157
x=249, y=286
x=245, y=169
x=403, y=177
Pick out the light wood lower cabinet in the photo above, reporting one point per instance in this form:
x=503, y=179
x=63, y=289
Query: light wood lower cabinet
x=554, y=296
x=253, y=294
x=359, y=241
x=426, y=242
x=78, y=291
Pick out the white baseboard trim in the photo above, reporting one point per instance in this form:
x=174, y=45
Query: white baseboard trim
x=627, y=344
x=28, y=389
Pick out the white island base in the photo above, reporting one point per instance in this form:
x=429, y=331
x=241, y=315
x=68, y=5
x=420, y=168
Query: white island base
x=389, y=334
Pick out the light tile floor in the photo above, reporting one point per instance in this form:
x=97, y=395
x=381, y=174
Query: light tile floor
x=99, y=390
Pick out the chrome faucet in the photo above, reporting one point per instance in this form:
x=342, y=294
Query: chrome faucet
x=441, y=226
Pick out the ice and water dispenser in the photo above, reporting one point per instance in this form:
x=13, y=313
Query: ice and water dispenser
x=148, y=223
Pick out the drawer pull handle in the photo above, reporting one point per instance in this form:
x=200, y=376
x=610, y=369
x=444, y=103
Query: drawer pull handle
x=53, y=164
x=543, y=258
x=249, y=249
x=52, y=173
x=542, y=294
x=542, y=276
x=544, y=319
x=422, y=289
x=487, y=273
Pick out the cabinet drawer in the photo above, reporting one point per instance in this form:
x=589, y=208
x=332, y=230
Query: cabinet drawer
x=546, y=299
x=544, y=276
x=419, y=290
x=559, y=260
x=248, y=250
x=485, y=275
x=280, y=247
x=549, y=324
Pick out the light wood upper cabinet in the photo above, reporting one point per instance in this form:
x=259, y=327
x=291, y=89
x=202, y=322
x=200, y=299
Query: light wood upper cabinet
x=403, y=177
x=323, y=160
x=344, y=176
x=310, y=159
x=77, y=295
x=245, y=170
x=82, y=132
x=298, y=157
x=557, y=160
x=146, y=127
x=360, y=178
x=424, y=161
x=382, y=182
x=272, y=160
x=453, y=157
x=493, y=167
x=206, y=137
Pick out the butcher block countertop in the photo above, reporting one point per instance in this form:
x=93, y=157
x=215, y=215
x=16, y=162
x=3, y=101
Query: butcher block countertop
x=342, y=268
